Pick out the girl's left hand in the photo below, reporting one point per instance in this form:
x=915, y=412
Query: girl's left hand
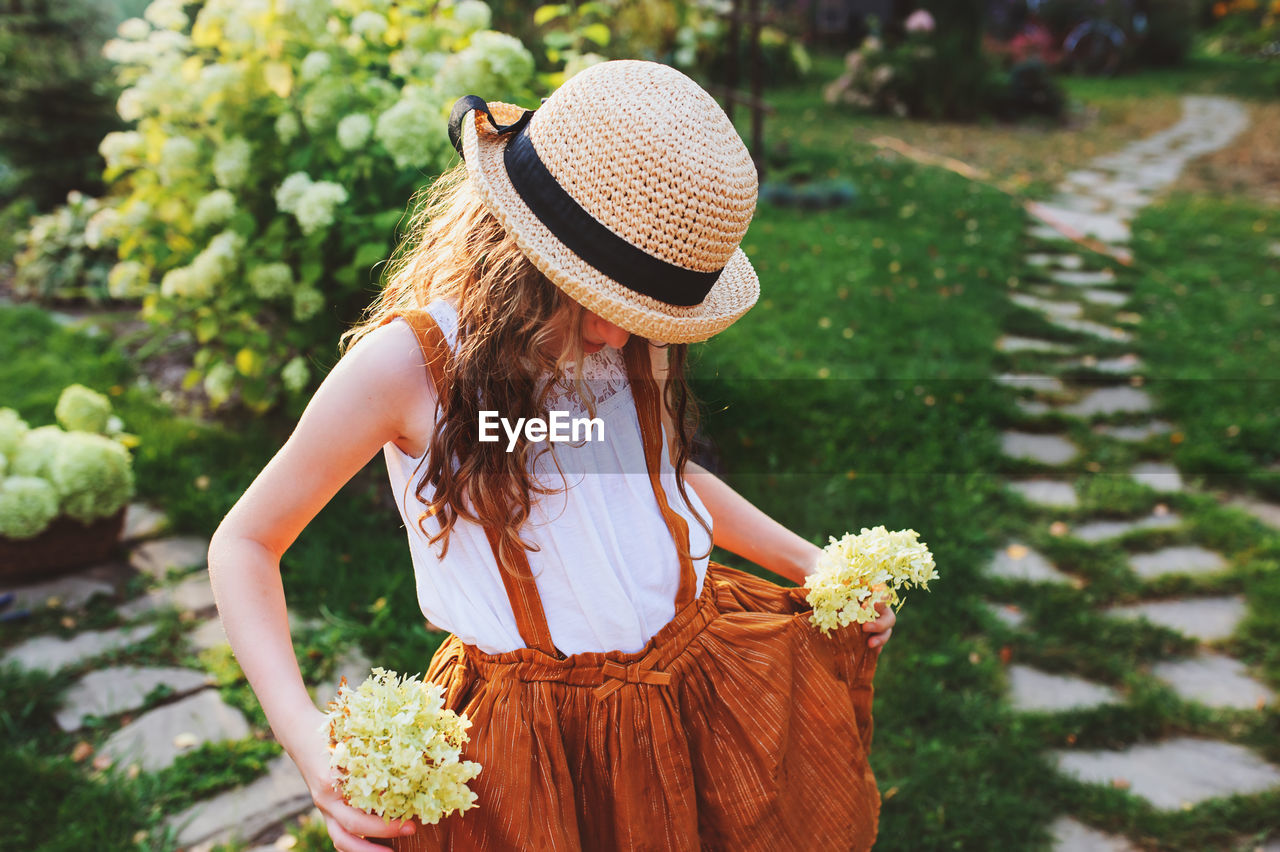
x=882, y=626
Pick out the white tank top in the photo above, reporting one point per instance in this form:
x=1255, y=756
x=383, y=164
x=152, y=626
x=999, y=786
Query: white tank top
x=607, y=571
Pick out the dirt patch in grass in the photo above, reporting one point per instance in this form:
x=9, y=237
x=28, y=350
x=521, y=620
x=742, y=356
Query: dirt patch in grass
x=1249, y=167
x=1031, y=157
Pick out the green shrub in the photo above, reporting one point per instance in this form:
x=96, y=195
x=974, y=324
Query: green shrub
x=64, y=255
x=78, y=472
x=256, y=130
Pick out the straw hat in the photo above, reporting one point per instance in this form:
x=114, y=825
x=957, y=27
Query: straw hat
x=630, y=189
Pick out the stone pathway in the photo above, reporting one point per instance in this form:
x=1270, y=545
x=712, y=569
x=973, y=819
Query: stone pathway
x=143, y=717
x=1045, y=379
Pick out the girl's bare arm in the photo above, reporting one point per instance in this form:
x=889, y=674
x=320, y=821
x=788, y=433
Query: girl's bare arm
x=740, y=527
x=352, y=415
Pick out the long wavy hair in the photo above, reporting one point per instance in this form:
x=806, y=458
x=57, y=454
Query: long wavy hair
x=510, y=320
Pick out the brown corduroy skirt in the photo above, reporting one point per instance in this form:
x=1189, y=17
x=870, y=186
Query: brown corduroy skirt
x=739, y=726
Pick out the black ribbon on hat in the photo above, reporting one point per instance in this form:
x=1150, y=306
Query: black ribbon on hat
x=581, y=232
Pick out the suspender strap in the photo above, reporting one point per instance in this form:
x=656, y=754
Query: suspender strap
x=645, y=392
x=522, y=591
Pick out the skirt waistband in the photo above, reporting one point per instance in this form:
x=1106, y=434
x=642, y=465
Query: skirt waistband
x=605, y=670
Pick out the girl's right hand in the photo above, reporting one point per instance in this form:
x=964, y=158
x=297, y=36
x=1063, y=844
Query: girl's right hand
x=347, y=826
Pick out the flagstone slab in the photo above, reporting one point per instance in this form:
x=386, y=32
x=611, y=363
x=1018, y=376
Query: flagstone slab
x=1079, y=202
x=1051, y=307
x=1032, y=407
x=1016, y=561
x=50, y=653
x=107, y=692
x=1206, y=619
x=1268, y=513
x=1123, y=364
x=1045, y=449
x=1158, y=476
x=208, y=634
x=1044, y=232
x=192, y=593
x=1088, y=177
x=1060, y=260
x=155, y=739
x=1214, y=680
x=1095, y=531
x=143, y=521
x=1071, y=835
x=1047, y=492
x=1186, y=559
x=69, y=593
x=1140, y=432
x=245, y=811
x=1090, y=327
x=1032, y=690
x=1013, y=343
x=1110, y=298
x=1174, y=772
x=1115, y=400
x=1083, y=277
x=1106, y=227
x=1038, y=382
x=159, y=557
x=1011, y=614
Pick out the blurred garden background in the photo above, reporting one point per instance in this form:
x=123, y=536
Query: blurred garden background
x=1019, y=267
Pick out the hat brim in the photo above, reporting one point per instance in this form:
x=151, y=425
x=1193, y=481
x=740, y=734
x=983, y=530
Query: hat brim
x=735, y=291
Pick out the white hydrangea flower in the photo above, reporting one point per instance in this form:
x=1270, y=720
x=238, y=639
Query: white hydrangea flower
x=231, y=162
x=493, y=62
x=315, y=64
x=354, y=130
x=101, y=227
x=287, y=127
x=310, y=16
x=295, y=374
x=271, y=280
x=128, y=280
x=135, y=214
x=315, y=210
x=413, y=131
x=167, y=14
x=371, y=25
x=134, y=29
x=307, y=302
x=130, y=105
x=291, y=190
x=178, y=157
x=472, y=15
x=122, y=148
x=217, y=77
x=181, y=283
x=581, y=62
x=218, y=382
x=167, y=43
x=215, y=208
x=125, y=52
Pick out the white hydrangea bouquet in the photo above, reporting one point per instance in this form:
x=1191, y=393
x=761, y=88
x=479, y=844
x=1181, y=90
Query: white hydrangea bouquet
x=396, y=749
x=856, y=572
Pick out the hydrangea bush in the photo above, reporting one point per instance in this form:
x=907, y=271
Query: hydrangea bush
x=64, y=255
x=275, y=147
x=74, y=469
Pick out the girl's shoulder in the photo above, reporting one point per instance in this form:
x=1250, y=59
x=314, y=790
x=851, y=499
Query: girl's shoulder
x=388, y=362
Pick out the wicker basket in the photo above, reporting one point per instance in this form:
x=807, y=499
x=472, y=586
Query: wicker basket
x=65, y=546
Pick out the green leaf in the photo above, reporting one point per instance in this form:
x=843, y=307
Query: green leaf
x=310, y=271
x=369, y=254
x=598, y=33
x=248, y=362
x=206, y=328
x=558, y=40
x=387, y=220
x=549, y=13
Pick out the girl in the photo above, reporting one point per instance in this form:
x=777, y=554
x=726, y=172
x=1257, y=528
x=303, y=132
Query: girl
x=625, y=692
